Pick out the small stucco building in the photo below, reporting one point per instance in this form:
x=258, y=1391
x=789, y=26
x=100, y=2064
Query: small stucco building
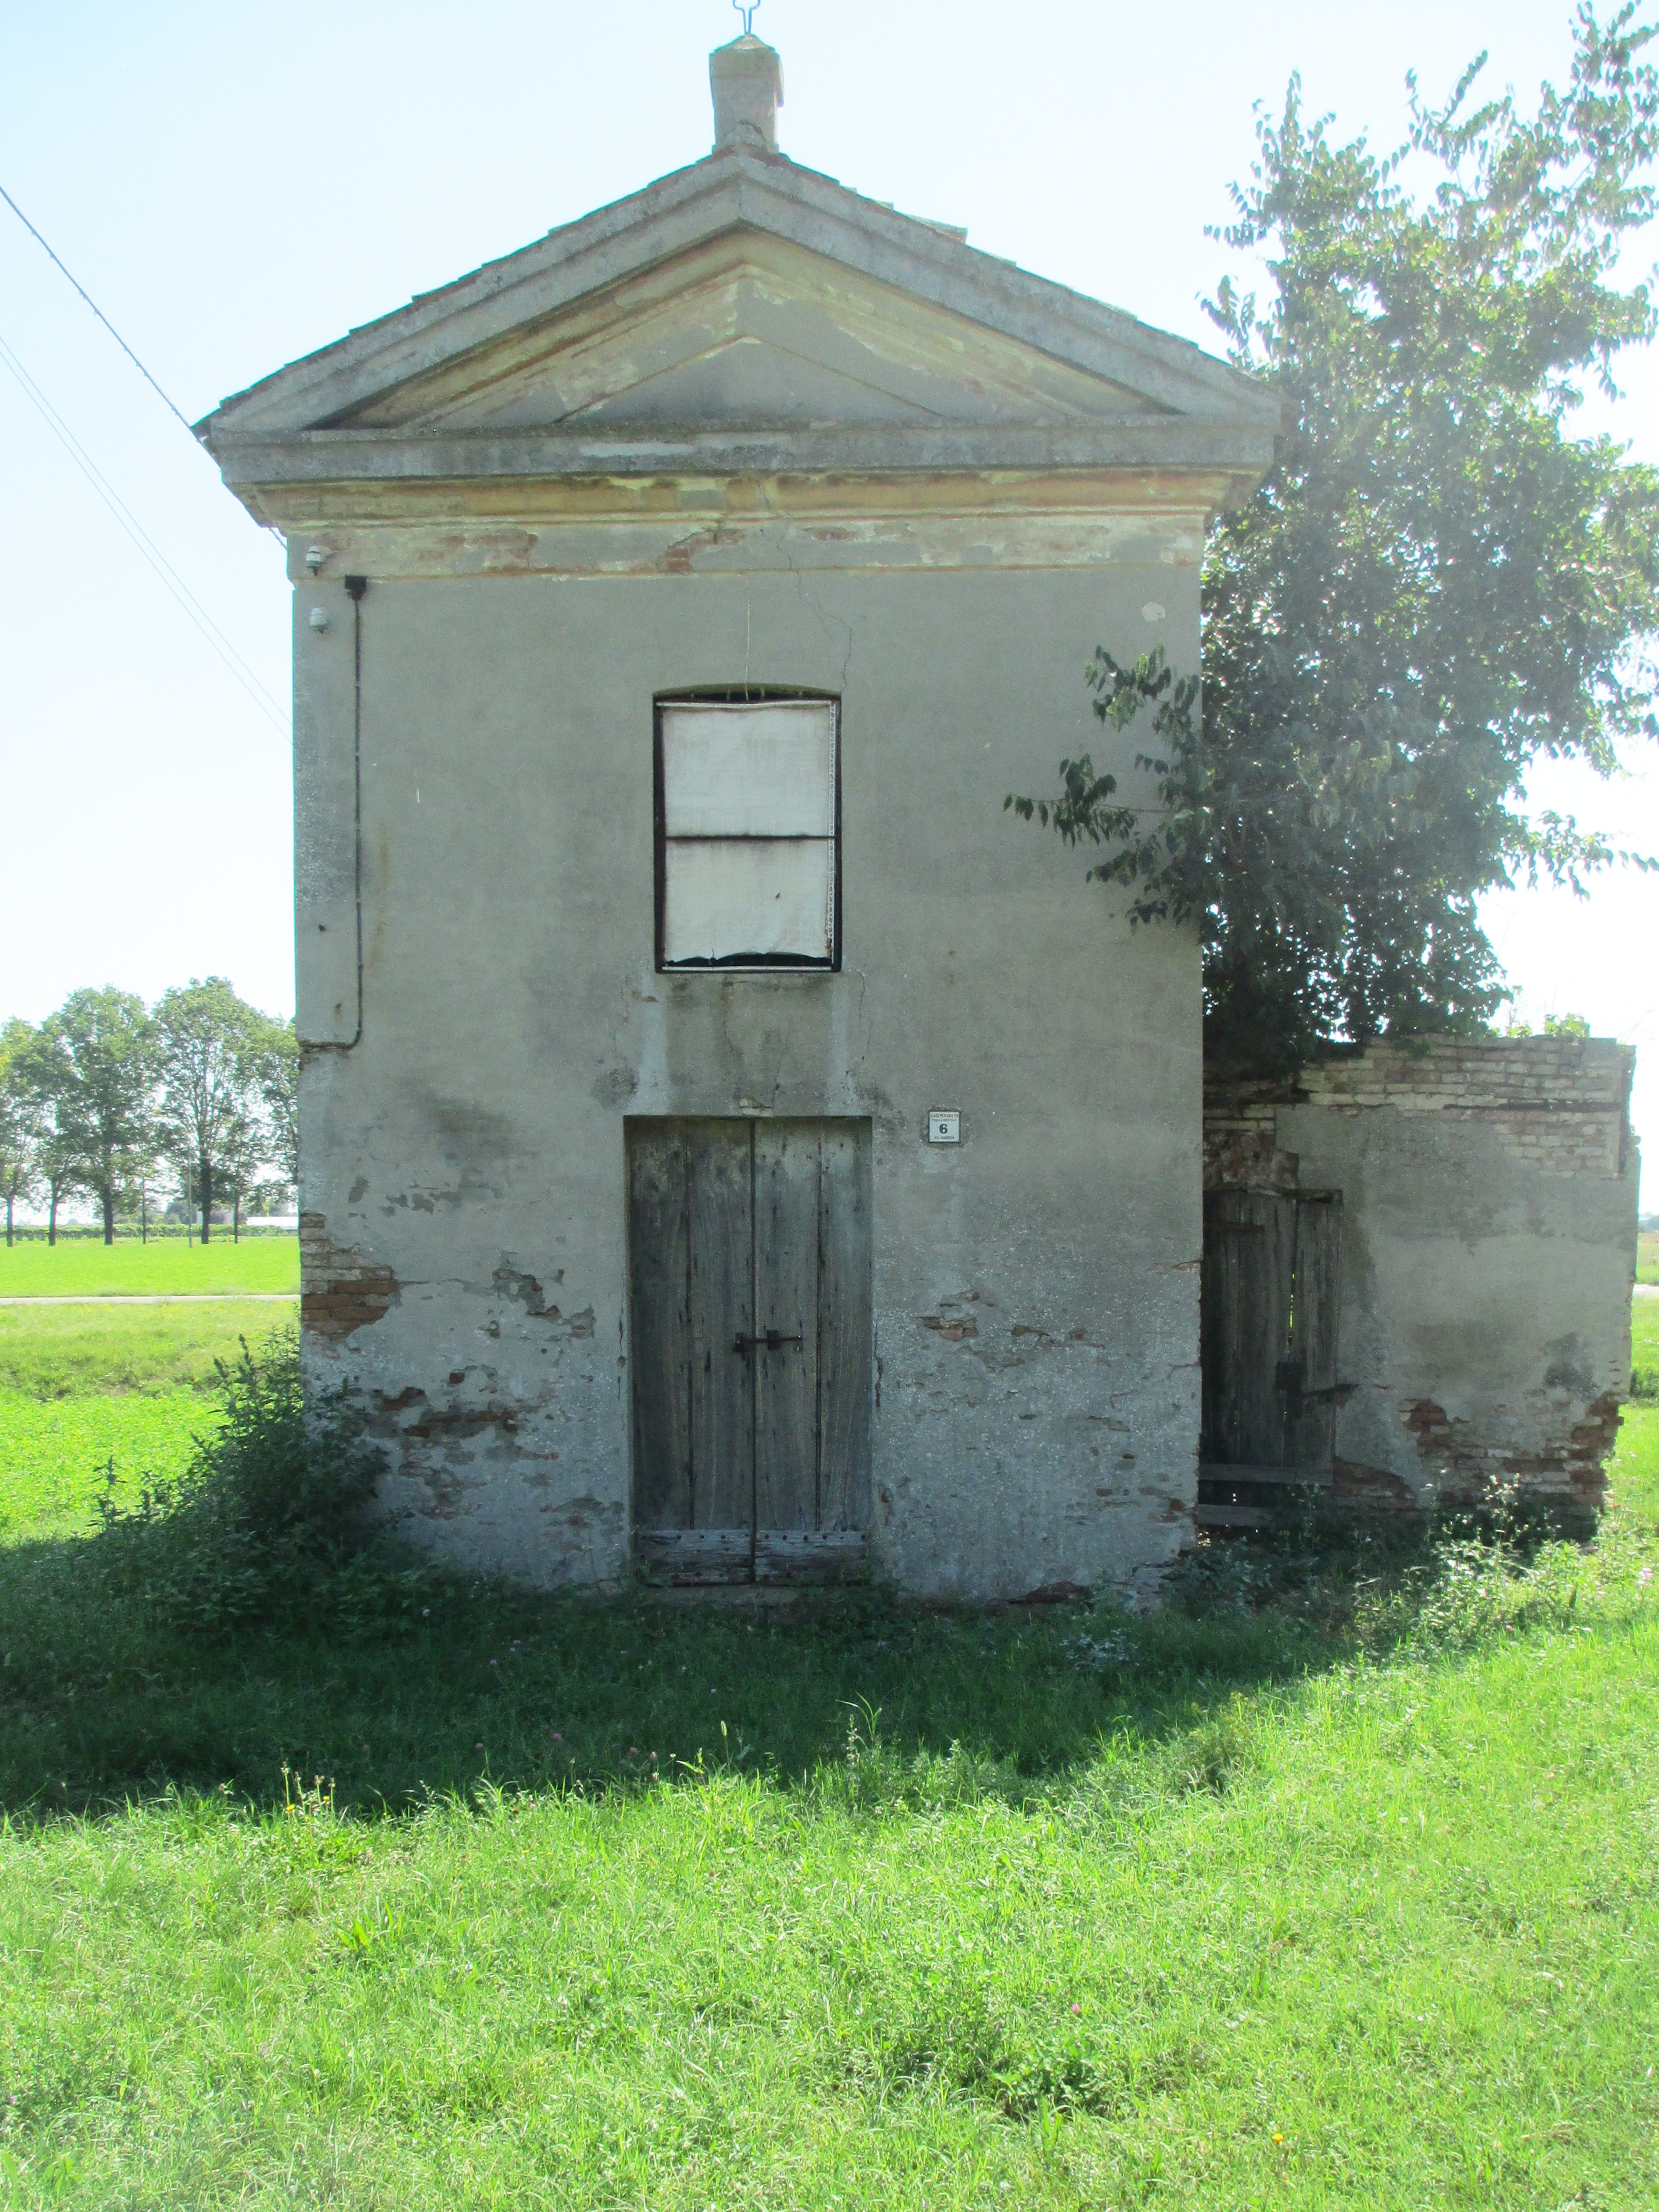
x=730, y=1148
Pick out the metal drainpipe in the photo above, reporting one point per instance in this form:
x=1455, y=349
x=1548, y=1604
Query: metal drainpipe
x=355, y=587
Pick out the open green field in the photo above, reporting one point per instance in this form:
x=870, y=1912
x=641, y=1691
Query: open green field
x=1333, y=1885
x=1647, y=1256
x=122, y=1390
x=81, y=1268
x=1644, y=1346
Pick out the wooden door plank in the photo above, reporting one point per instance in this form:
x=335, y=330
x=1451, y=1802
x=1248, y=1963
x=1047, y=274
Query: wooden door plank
x=659, y=1349
x=786, y=1379
x=1314, y=1329
x=690, y=1556
x=721, y=1214
x=1267, y=1432
x=1218, y=1345
x=810, y=1555
x=1230, y=1476
x=1246, y=1308
x=846, y=1329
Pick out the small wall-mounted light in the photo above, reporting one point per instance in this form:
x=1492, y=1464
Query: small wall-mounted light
x=320, y=617
x=316, y=556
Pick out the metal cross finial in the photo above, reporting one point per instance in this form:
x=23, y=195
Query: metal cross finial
x=747, y=13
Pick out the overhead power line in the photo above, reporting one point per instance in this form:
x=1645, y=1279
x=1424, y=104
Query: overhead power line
x=146, y=544
x=96, y=309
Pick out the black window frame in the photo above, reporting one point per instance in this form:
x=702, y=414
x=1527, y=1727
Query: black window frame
x=739, y=963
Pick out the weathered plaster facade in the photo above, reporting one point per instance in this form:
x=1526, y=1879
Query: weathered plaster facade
x=1489, y=1196
x=744, y=429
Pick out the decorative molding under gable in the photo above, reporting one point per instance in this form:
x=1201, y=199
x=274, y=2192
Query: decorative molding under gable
x=679, y=526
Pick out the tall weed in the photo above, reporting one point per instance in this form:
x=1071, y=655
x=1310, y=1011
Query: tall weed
x=1471, y=1589
x=269, y=1506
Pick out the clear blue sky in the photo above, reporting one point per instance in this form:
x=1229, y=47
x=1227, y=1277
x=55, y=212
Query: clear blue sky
x=236, y=184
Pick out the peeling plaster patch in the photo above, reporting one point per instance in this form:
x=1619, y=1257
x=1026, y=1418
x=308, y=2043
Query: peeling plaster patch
x=462, y=1421
x=954, y=1328
x=421, y=1202
x=340, y=1291
x=410, y=1395
x=511, y=1283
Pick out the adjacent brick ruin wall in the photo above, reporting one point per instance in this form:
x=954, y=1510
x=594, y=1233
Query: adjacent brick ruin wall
x=1489, y=1236
x=1561, y=1103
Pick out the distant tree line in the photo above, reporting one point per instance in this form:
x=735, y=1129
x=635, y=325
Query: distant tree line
x=108, y=1099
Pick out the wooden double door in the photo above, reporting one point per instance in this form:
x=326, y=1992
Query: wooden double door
x=749, y=1295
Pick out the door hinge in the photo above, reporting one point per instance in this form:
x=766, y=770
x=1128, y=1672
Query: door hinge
x=772, y=1341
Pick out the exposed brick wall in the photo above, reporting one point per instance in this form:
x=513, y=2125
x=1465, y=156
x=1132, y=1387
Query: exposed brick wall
x=1566, y=1466
x=339, y=1289
x=1561, y=1103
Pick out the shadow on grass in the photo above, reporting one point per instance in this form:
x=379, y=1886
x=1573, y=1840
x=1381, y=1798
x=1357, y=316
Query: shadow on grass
x=396, y=1683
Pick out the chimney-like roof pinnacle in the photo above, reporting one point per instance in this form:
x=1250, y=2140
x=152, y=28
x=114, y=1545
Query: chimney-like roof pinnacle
x=746, y=79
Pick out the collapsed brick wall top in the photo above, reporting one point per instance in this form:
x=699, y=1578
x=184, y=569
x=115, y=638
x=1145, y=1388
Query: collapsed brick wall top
x=1561, y=1102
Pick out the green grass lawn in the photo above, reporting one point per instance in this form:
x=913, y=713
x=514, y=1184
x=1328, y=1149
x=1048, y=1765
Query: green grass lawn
x=1644, y=1346
x=83, y=1268
x=81, y=1386
x=1647, y=1256
x=1333, y=1885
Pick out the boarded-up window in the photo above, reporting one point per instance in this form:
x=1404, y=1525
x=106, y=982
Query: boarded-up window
x=748, y=833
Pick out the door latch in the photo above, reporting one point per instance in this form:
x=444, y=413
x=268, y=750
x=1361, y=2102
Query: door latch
x=1287, y=1381
x=772, y=1341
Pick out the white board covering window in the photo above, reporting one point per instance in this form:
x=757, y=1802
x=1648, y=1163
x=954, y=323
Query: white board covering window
x=748, y=827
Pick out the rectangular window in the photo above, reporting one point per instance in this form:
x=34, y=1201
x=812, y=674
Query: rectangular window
x=748, y=833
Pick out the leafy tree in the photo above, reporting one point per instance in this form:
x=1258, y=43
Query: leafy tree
x=23, y=1119
x=1555, y=1025
x=277, y=1066
x=1437, y=586
x=210, y=1047
x=95, y=1060
x=60, y=1172
x=237, y=1173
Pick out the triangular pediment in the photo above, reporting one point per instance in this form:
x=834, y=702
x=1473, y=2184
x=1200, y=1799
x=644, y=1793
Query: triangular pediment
x=748, y=332
x=744, y=316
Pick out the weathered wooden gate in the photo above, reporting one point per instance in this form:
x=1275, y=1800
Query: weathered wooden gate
x=1270, y=1316
x=749, y=1292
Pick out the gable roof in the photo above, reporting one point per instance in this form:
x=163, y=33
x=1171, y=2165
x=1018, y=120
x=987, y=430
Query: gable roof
x=743, y=315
